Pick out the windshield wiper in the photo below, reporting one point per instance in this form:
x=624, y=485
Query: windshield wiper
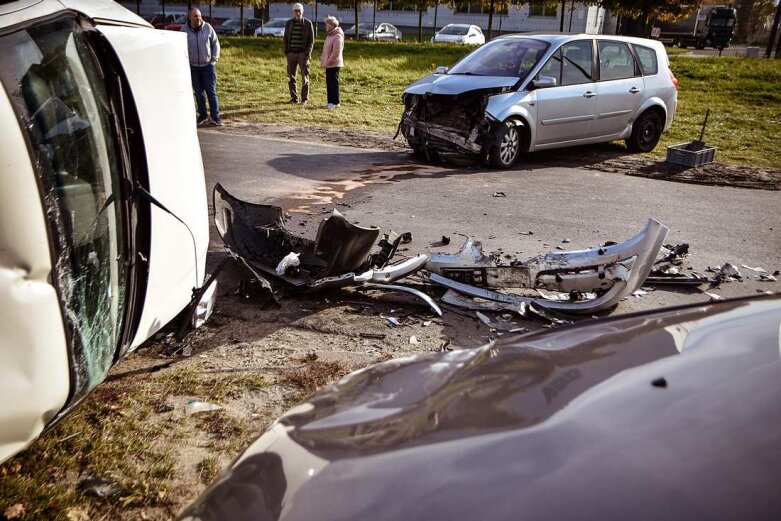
x=465, y=73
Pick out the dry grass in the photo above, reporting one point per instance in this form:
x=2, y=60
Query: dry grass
x=314, y=374
x=119, y=432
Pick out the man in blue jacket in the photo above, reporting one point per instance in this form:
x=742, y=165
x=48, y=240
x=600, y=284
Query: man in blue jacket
x=203, y=48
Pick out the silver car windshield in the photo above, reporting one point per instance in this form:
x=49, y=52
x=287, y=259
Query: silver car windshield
x=510, y=57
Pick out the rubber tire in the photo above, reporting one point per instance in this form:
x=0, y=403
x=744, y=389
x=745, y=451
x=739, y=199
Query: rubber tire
x=646, y=131
x=419, y=153
x=507, y=135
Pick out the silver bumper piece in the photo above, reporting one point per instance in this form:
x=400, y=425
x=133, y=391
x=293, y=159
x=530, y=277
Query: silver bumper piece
x=612, y=272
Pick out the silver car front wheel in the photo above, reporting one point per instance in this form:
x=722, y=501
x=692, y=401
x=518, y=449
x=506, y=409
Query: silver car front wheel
x=506, y=146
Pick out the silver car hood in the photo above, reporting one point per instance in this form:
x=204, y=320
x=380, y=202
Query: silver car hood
x=453, y=84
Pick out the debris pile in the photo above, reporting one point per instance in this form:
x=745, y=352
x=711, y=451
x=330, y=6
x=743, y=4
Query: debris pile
x=554, y=288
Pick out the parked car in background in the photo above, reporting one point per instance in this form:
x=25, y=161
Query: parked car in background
x=232, y=26
x=519, y=94
x=180, y=20
x=377, y=32
x=103, y=207
x=460, y=33
x=667, y=414
x=161, y=20
x=275, y=27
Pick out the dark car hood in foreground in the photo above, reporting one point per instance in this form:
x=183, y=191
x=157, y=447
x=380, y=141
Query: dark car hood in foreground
x=662, y=415
x=453, y=84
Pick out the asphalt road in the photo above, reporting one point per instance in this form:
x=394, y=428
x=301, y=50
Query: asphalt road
x=391, y=191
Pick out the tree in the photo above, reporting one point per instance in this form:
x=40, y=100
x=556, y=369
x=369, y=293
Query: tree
x=754, y=20
x=642, y=12
x=421, y=6
x=494, y=7
x=242, y=4
x=355, y=5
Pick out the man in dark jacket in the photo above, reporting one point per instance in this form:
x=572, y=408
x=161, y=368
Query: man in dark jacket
x=203, y=48
x=299, y=40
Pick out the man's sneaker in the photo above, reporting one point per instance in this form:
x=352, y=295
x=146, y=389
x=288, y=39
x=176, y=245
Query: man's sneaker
x=332, y=106
x=305, y=102
x=218, y=123
x=202, y=122
x=292, y=101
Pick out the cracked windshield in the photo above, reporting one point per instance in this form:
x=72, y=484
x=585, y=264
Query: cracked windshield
x=58, y=92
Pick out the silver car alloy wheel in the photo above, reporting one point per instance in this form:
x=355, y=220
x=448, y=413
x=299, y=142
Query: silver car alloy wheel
x=508, y=148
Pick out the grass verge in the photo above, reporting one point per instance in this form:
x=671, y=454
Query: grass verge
x=129, y=433
x=744, y=94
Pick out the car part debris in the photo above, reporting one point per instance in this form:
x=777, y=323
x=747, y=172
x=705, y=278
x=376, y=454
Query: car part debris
x=521, y=305
x=610, y=273
x=341, y=254
x=673, y=277
x=374, y=336
x=394, y=321
x=725, y=273
x=196, y=406
x=288, y=261
x=500, y=324
x=499, y=194
x=673, y=253
x=713, y=296
x=101, y=487
x=757, y=269
x=668, y=266
x=767, y=278
x=405, y=289
x=414, y=340
x=456, y=299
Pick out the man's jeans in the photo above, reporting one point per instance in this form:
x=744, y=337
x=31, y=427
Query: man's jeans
x=205, y=80
x=298, y=60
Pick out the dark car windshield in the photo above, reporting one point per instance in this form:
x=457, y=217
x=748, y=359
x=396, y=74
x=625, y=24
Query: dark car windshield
x=510, y=57
x=455, y=29
x=722, y=22
x=231, y=22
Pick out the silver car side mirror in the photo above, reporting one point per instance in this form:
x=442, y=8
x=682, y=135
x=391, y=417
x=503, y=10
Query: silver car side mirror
x=441, y=70
x=544, y=82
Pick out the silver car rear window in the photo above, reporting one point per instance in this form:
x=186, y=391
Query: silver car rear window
x=648, y=62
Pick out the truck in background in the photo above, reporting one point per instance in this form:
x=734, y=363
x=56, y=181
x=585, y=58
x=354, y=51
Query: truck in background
x=710, y=26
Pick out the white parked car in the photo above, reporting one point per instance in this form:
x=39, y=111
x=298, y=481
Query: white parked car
x=464, y=34
x=104, y=230
x=275, y=27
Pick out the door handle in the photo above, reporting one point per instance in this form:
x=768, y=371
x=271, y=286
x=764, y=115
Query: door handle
x=589, y=94
x=634, y=90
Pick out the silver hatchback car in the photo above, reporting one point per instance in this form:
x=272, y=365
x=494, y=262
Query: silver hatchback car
x=521, y=93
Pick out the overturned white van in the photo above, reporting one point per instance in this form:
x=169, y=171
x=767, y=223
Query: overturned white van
x=103, y=231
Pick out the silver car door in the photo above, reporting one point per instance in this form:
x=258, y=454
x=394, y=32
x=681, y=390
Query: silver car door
x=565, y=112
x=619, y=90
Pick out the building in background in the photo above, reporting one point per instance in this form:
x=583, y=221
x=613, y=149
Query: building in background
x=535, y=16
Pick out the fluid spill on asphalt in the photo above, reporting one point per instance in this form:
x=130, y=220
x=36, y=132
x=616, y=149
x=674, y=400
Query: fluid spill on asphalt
x=329, y=192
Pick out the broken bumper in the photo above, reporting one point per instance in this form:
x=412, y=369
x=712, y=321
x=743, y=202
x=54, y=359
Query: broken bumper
x=609, y=273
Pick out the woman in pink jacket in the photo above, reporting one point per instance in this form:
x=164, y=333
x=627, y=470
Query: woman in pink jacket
x=332, y=60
